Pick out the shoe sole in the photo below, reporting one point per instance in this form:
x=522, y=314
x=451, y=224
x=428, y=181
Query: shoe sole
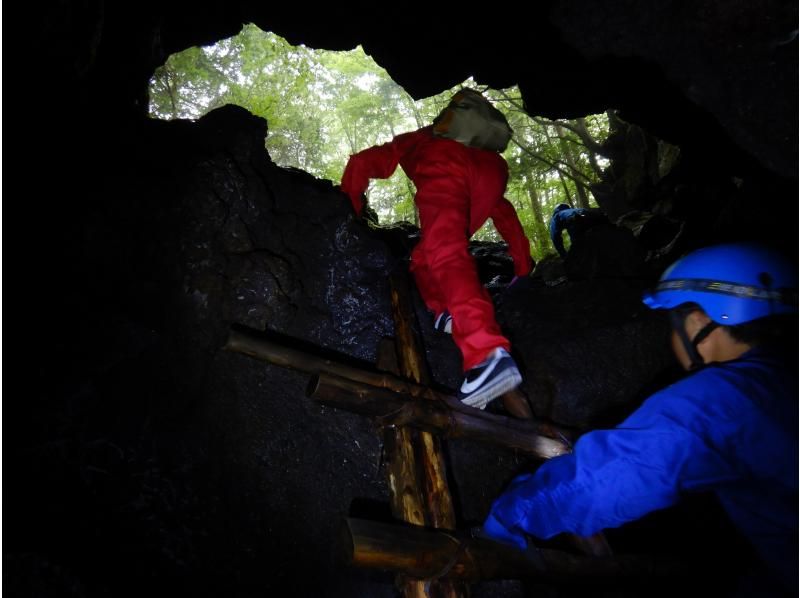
x=502, y=384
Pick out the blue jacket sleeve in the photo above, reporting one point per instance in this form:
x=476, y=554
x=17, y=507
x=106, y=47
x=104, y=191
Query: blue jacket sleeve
x=616, y=476
x=555, y=235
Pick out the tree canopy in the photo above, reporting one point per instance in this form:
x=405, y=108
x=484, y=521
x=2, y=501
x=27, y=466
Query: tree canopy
x=321, y=106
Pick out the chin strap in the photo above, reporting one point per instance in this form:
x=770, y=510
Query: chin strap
x=677, y=319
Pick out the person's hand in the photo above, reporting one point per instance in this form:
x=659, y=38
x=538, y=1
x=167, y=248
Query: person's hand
x=359, y=204
x=494, y=530
x=369, y=215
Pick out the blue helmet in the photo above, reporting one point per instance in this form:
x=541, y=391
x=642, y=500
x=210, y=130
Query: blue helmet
x=560, y=207
x=733, y=283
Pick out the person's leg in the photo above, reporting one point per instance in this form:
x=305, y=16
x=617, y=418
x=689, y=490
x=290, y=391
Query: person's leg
x=426, y=284
x=429, y=291
x=447, y=278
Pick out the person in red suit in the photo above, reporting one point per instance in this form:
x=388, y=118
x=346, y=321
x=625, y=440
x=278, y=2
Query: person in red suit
x=458, y=187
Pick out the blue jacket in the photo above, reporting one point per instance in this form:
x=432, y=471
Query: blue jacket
x=575, y=221
x=730, y=428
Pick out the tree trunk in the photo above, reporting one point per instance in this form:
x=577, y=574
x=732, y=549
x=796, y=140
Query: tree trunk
x=563, y=181
x=569, y=158
x=541, y=224
x=592, y=147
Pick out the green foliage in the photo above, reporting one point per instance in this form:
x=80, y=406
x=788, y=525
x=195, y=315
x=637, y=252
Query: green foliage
x=322, y=106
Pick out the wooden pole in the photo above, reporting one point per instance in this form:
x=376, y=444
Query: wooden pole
x=435, y=554
x=517, y=404
x=428, y=448
x=406, y=498
x=393, y=409
x=256, y=346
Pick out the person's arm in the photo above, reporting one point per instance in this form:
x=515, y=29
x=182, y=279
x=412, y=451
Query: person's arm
x=377, y=162
x=595, y=488
x=507, y=223
x=614, y=476
x=555, y=235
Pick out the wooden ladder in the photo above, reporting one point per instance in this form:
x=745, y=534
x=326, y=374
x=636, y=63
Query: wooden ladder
x=431, y=557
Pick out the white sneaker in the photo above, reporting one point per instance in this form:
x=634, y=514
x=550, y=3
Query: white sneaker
x=488, y=380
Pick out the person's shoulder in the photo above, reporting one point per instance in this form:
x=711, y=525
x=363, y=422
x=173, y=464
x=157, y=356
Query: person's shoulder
x=413, y=133
x=426, y=131
x=406, y=141
x=736, y=383
x=757, y=361
x=694, y=388
x=495, y=157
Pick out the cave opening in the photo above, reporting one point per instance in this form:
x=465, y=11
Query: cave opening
x=321, y=106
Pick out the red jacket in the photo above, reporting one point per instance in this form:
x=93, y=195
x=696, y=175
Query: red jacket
x=448, y=173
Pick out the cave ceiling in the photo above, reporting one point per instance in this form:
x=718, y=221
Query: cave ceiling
x=712, y=75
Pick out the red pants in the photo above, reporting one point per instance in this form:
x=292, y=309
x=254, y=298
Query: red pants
x=447, y=278
x=458, y=189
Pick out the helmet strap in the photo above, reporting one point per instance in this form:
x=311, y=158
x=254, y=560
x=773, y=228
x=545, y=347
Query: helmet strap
x=704, y=332
x=677, y=320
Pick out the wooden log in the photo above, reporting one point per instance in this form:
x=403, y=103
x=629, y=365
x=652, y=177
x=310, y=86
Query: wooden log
x=428, y=448
x=517, y=404
x=433, y=554
x=387, y=356
x=393, y=409
x=410, y=351
x=258, y=347
x=406, y=498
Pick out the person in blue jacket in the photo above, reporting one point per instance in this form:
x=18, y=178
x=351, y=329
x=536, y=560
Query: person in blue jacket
x=575, y=221
x=730, y=426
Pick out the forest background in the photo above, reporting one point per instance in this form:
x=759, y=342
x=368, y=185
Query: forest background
x=322, y=106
